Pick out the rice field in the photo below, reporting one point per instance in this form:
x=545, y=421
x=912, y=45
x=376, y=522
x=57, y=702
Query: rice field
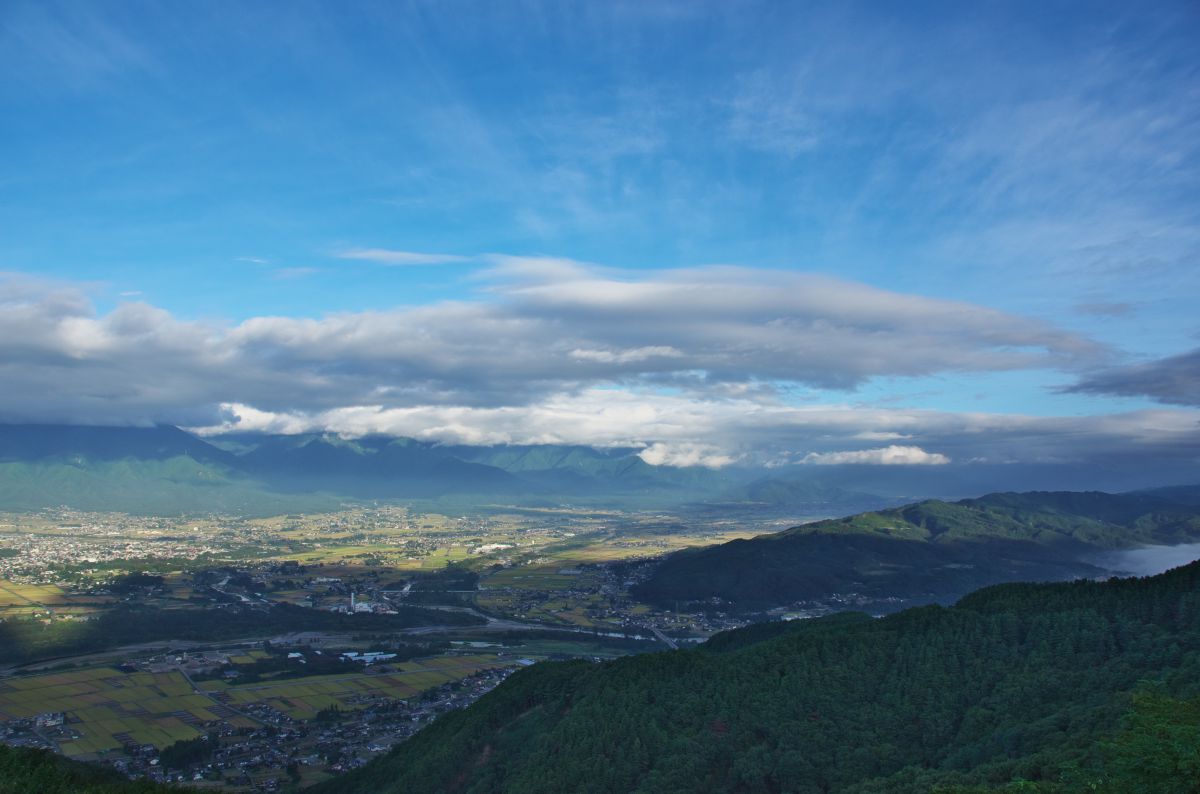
x=106, y=709
x=25, y=600
x=22, y=595
x=302, y=698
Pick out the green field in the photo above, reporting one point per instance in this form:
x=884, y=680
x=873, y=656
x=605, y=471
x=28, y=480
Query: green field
x=106, y=709
x=302, y=698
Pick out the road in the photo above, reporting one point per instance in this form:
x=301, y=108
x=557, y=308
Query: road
x=670, y=643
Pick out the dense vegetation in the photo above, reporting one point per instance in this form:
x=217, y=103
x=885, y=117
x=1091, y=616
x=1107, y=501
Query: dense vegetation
x=23, y=771
x=187, y=752
x=1060, y=687
x=28, y=640
x=930, y=551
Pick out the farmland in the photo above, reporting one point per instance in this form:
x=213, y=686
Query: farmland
x=302, y=698
x=125, y=716
x=130, y=637
x=104, y=709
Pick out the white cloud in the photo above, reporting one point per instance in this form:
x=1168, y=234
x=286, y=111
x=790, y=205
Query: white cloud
x=698, y=361
x=893, y=455
x=542, y=327
x=875, y=435
x=683, y=430
x=384, y=256
x=662, y=454
x=626, y=356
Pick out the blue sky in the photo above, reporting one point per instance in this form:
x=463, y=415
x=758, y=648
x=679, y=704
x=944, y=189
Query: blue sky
x=220, y=166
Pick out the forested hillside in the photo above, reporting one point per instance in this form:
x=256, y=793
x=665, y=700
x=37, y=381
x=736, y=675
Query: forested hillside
x=929, y=551
x=1069, y=687
x=25, y=771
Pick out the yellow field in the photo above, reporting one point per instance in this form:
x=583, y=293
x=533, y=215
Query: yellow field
x=22, y=600
x=12, y=594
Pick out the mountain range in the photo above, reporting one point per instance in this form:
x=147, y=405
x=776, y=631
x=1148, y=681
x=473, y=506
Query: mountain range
x=164, y=469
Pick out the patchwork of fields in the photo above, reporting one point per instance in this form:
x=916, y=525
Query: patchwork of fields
x=302, y=698
x=19, y=600
x=106, y=709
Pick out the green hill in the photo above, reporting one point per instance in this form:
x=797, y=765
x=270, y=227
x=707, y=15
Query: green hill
x=1054, y=687
x=929, y=551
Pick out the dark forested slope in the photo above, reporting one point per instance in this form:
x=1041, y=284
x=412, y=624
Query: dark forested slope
x=932, y=551
x=1017, y=682
x=25, y=771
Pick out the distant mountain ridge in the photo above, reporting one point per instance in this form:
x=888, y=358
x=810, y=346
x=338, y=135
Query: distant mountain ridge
x=928, y=551
x=583, y=469
x=166, y=469
x=131, y=469
x=34, y=443
x=377, y=466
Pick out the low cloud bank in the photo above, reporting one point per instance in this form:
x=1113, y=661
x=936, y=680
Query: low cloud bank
x=893, y=455
x=683, y=430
